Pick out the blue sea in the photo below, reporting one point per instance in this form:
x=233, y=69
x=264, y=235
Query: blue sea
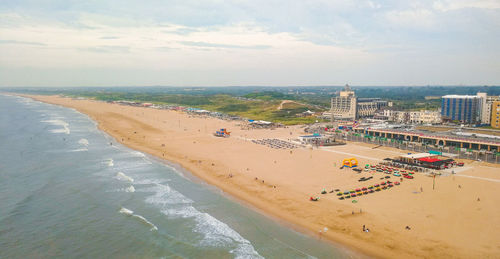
x=68, y=190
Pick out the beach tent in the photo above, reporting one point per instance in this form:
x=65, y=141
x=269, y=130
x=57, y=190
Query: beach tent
x=350, y=162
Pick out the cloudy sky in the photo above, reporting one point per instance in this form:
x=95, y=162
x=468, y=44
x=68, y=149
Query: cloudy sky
x=249, y=42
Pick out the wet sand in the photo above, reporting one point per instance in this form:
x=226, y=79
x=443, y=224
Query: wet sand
x=446, y=222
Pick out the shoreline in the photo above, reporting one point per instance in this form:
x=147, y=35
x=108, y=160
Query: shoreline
x=237, y=197
x=345, y=249
x=303, y=231
x=243, y=188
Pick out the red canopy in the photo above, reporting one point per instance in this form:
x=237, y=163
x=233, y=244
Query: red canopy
x=429, y=159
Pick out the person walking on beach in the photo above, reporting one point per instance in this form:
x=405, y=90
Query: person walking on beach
x=364, y=228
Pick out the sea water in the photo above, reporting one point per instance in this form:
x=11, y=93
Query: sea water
x=68, y=190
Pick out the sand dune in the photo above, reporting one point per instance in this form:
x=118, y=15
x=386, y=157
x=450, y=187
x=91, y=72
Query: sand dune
x=446, y=222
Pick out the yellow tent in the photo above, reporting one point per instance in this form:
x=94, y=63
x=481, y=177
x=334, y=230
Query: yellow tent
x=350, y=162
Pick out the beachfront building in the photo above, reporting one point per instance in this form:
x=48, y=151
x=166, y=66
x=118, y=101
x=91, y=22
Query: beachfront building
x=367, y=107
x=486, y=110
x=427, y=160
x=429, y=117
x=411, y=117
x=344, y=106
x=347, y=106
x=463, y=108
x=495, y=114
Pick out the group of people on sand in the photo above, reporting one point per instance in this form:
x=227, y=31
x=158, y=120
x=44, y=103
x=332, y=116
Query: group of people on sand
x=365, y=229
x=256, y=179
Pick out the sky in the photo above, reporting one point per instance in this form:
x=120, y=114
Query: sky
x=249, y=42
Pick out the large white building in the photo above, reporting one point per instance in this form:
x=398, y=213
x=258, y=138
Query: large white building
x=344, y=106
x=347, y=106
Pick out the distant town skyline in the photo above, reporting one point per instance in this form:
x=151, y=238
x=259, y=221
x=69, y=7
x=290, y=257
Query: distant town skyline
x=268, y=43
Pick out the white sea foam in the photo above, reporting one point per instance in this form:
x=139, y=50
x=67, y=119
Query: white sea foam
x=151, y=181
x=143, y=219
x=215, y=233
x=123, y=177
x=110, y=162
x=130, y=189
x=138, y=154
x=57, y=122
x=79, y=150
x=126, y=211
x=153, y=227
x=164, y=195
x=83, y=142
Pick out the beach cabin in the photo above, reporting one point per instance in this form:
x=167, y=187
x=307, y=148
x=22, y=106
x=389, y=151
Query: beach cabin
x=427, y=160
x=311, y=139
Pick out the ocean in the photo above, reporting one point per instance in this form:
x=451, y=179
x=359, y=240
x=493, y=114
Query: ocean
x=68, y=190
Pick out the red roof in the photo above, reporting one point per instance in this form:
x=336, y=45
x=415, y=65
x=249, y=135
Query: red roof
x=429, y=159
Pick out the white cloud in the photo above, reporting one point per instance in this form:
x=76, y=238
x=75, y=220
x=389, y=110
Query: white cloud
x=159, y=47
x=273, y=42
x=414, y=18
x=450, y=5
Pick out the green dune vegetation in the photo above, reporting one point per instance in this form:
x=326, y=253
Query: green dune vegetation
x=262, y=106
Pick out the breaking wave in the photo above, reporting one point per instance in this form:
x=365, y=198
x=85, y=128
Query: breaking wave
x=110, y=162
x=83, y=142
x=123, y=177
x=141, y=218
x=214, y=232
x=63, y=124
x=79, y=150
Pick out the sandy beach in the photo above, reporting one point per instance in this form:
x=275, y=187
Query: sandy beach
x=447, y=222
